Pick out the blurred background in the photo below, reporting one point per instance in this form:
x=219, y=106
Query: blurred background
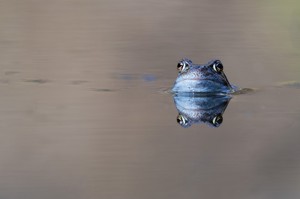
x=84, y=112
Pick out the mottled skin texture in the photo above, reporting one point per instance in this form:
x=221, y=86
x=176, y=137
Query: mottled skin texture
x=208, y=78
x=205, y=109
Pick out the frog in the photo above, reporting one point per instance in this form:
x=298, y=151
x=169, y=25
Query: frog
x=208, y=78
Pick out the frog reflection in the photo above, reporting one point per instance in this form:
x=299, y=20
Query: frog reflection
x=208, y=78
x=200, y=109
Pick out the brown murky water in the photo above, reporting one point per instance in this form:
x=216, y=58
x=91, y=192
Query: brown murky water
x=83, y=112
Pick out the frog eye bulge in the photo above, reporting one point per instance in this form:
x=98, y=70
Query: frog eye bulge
x=218, y=66
x=182, y=66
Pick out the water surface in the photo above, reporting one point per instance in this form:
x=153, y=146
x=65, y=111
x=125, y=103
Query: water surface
x=84, y=112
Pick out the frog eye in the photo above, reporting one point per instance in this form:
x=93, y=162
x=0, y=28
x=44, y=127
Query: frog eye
x=182, y=120
x=218, y=66
x=217, y=120
x=182, y=66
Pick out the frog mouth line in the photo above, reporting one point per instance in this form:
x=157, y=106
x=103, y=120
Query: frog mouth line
x=207, y=80
x=198, y=79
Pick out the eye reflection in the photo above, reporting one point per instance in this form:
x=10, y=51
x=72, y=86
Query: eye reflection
x=193, y=109
x=217, y=121
x=183, y=121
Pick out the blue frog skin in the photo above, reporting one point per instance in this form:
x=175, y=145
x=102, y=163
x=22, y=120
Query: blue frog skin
x=204, y=79
x=200, y=110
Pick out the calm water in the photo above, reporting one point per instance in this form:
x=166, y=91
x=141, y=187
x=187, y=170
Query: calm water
x=84, y=112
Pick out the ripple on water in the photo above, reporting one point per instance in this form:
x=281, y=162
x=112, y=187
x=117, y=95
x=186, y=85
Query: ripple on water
x=37, y=81
x=290, y=84
x=77, y=82
x=102, y=90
